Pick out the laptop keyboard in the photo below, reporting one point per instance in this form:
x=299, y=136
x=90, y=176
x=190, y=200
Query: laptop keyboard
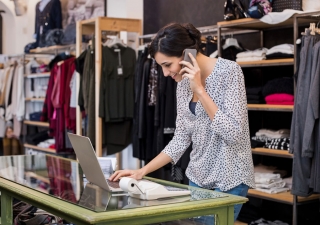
x=113, y=184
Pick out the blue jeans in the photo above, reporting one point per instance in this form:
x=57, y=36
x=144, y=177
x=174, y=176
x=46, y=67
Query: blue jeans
x=240, y=190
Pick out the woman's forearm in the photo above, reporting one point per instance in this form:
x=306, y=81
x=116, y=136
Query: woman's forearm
x=158, y=162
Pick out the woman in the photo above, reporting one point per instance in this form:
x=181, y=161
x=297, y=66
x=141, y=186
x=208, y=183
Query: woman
x=211, y=113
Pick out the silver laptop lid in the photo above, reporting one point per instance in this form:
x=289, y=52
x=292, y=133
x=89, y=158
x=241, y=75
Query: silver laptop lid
x=88, y=161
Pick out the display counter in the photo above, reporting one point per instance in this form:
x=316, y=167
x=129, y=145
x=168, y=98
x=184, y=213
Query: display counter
x=56, y=185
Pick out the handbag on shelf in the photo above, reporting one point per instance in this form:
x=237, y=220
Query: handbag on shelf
x=235, y=9
x=280, y=5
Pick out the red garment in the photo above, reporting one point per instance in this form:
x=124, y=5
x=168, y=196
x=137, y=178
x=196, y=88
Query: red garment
x=67, y=70
x=59, y=174
x=55, y=95
x=57, y=108
x=279, y=97
x=48, y=109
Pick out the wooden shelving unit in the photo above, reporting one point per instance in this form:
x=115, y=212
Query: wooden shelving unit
x=36, y=123
x=35, y=99
x=266, y=107
x=255, y=24
x=268, y=62
x=272, y=152
x=285, y=197
x=96, y=26
x=47, y=150
x=52, y=49
x=38, y=75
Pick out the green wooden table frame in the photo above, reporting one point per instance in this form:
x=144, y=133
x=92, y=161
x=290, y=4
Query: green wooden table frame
x=222, y=207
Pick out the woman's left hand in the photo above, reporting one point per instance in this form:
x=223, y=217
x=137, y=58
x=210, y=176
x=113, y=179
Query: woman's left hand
x=193, y=73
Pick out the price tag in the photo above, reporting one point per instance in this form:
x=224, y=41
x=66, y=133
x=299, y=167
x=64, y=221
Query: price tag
x=120, y=70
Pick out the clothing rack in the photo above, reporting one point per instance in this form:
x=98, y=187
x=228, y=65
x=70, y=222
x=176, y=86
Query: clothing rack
x=96, y=26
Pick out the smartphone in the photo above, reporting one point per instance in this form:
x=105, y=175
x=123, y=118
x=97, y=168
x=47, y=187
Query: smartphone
x=186, y=54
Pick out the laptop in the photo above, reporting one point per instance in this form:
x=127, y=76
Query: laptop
x=90, y=165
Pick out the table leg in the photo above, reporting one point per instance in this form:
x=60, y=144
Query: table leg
x=230, y=215
x=6, y=208
x=225, y=217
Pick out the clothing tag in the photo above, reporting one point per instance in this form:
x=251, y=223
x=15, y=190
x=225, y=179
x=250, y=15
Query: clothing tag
x=117, y=50
x=120, y=70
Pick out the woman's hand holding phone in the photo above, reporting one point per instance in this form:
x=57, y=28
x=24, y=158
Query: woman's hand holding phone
x=193, y=73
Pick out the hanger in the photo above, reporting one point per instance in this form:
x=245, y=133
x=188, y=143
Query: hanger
x=317, y=29
x=231, y=42
x=312, y=28
x=114, y=42
x=212, y=39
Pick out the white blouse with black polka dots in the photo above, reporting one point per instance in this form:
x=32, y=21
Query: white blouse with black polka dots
x=221, y=151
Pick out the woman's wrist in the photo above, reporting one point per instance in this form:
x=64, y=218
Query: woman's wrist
x=143, y=171
x=200, y=92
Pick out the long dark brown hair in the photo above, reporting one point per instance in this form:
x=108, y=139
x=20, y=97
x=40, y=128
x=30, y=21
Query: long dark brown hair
x=174, y=38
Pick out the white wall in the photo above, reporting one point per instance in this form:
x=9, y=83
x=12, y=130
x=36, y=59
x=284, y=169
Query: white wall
x=125, y=9
x=17, y=30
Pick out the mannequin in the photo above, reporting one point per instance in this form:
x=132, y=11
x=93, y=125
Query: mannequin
x=48, y=17
x=43, y=4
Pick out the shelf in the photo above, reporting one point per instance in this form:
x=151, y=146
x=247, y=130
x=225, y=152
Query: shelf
x=272, y=152
x=48, y=150
x=266, y=107
x=52, y=49
x=285, y=197
x=34, y=99
x=268, y=62
x=110, y=24
x=257, y=24
x=37, y=176
x=36, y=123
x=38, y=75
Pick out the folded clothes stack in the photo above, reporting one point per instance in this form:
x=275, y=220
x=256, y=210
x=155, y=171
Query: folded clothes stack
x=282, y=133
x=254, y=95
x=267, y=222
x=272, y=139
x=279, y=91
x=280, y=51
x=35, y=116
x=49, y=143
x=269, y=183
x=255, y=55
x=280, y=99
x=278, y=143
x=288, y=182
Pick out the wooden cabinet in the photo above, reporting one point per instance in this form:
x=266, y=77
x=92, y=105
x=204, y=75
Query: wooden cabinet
x=304, y=20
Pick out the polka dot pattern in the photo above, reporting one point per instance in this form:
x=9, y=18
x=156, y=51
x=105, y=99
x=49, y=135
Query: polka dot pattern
x=221, y=151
